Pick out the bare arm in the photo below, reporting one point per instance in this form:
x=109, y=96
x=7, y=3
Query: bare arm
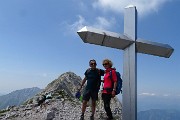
x=115, y=80
x=115, y=84
x=83, y=82
x=114, y=89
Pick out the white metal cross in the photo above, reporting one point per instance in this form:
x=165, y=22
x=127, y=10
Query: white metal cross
x=131, y=46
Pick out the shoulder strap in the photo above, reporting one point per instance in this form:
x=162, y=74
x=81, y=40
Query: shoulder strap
x=89, y=69
x=99, y=72
x=110, y=75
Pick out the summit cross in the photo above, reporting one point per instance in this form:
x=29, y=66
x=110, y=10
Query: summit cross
x=131, y=45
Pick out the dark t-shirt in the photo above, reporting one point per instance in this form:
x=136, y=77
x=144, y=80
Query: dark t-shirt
x=93, y=78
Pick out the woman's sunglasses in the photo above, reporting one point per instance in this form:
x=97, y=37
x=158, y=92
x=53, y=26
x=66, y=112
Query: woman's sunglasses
x=105, y=64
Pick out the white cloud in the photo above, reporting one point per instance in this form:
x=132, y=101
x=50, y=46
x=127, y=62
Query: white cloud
x=153, y=94
x=103, y=23
x=77, y=25
x=166, y=95
x=144, y=7
x=99, y=22
x=74, y=27
x=147, y=94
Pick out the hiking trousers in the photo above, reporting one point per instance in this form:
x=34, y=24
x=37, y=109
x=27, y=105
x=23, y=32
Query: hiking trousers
x=106, y=99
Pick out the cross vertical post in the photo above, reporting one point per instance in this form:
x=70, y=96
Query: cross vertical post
x=129, y=99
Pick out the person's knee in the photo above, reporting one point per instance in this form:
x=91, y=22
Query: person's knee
x=84, y=102
x=93, y=102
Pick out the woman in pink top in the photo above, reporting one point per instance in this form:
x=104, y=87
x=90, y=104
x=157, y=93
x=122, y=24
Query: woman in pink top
x=109, y=87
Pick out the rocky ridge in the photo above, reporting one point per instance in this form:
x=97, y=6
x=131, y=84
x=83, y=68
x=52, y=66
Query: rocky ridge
x=62, y=106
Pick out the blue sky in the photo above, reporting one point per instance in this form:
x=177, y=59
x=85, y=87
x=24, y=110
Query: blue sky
x=38, y=41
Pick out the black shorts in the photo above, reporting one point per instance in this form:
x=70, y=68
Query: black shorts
x=90, y=94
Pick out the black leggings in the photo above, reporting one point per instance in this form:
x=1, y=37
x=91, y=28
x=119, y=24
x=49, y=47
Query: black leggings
x=107, y=98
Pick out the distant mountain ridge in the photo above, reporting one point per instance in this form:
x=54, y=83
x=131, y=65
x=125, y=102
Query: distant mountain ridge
x=17, y=97
x=159, y=114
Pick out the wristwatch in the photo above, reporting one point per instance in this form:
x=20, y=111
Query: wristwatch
x=114, y=89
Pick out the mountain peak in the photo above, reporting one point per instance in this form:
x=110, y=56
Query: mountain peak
x=68, y=81
x=68, y=74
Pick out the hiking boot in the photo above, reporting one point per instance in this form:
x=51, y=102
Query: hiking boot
x=82, y=117
x=91, y=117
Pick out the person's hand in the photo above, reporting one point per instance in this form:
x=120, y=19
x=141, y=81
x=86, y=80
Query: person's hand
x=79, y=89
x=113, y=94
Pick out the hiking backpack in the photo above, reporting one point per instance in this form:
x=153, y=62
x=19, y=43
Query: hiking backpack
x=119, y=82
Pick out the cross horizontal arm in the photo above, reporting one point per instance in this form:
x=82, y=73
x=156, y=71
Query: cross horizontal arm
x=104, y=38
x=115, y=40
x=154, y=48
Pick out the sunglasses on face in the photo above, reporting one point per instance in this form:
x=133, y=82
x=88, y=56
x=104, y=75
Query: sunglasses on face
x=93, y=64
x=105, y=64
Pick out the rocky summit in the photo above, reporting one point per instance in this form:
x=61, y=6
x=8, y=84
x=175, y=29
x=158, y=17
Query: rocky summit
x=60, y=104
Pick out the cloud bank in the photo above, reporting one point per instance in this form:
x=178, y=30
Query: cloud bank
x=144, y=7
x=162, y=95
x=147, y=94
